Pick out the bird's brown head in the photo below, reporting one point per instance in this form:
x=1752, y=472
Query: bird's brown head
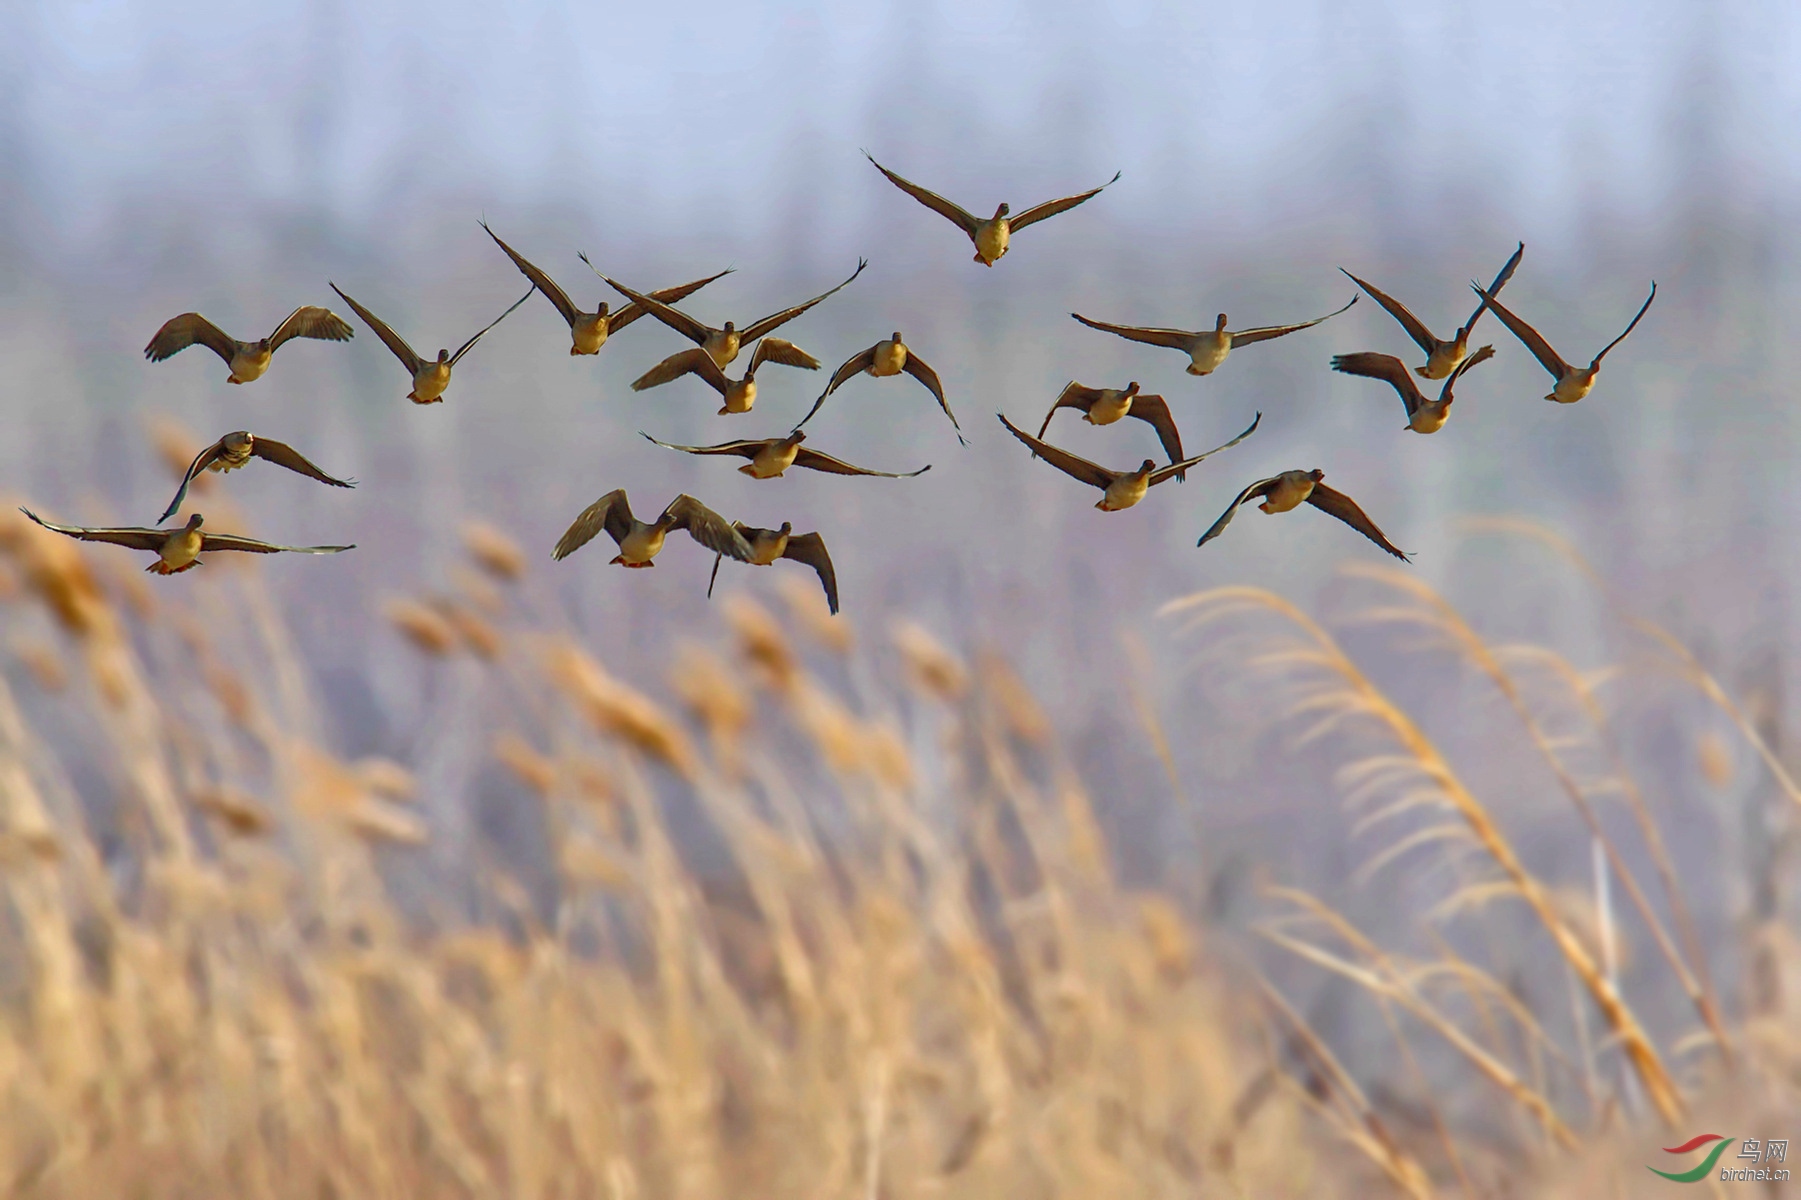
x=1003, y=210
x=1131, y=389
x=603, y=311
x=787, y=528
x=262, y=343
x=1147, y=466
x=896, y=338
x=443, y=355
x=194, y=520
x=796, y=437
x=1316, y=474
x=729, y=328
x=1219, y=323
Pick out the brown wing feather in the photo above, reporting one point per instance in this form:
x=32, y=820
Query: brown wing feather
x=1547, y=358
x=389, y=338
x=1482, y=355
x=612, y=512
x=1175, y=339
x=681, y=322
x=856, y=364
x=814, y=460
x=706, y=527
x=311, y=321
x=1072, y=465
x=136, y=538
x=1635, y=320
x=769, y=324
x=1154, y=411
x=622, y=317
x=1177, y=468
x=284, y=455
x=1073, y=395
x=540, y=280
x=1388, y=369
x=743, y=449
x=1494, y=289
x=1267, y=332
x=1416, y=329
x=211, y=542
x=202, y=461
x=178, y=333
x=1256, y=490
x=809, y=548
x=918, y=369
x=955, y=214
x=466, y=346
x=1336, y=503
x=1051, y=208
x=783, y=351
x=677, y=365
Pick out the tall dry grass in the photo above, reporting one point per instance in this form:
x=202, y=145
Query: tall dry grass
x=824, y=912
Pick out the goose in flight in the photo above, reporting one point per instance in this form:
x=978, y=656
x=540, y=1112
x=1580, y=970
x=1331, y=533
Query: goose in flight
x=1423, y=415
x=723, y=344
x=1120, y=489
x=890, y=356
x=1104, y=406
x=768, y=545
x=1208, y=348
x=738, y=395
x=769, y=457
x=247, y=360
x=1573, y=383
x=589, y=331
x=1442, y=355
x=1289, y=490
x=430, y=376
x=640, y=542
x=234, y=450
x=992, y=236
x=179, y=549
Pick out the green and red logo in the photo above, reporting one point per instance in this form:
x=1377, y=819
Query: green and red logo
x=1701, y=1171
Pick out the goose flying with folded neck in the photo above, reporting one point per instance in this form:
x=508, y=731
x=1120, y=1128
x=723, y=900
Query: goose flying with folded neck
x=1289, y=490
x=247, y=360
x=888, y=357
x=237, y=448
x=589, y=331
x=1119, y=489
x=723, y=344
x=738, y=395
x=770, y=457
x=1442, y=354
x=1573, y=383
x=639, y=542
x=767, y=546
x=178, y=549
x=1423, y=415
x=430, y=376
x=1208, y=348
x=992, y=236
x=1104, y=406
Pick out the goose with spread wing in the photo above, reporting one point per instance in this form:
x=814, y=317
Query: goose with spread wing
x=239, y=447
x=767, y=546
x=178, y=549
x=639, y=542
x=886, y=358
x=738, y=395
x=769, y=457
x=247, y=360
x=1104, y=406
x=723, y=344
x=1423, y=415
x=1120, y=489
x=992, y=236
x=1442, y=354
x=430, y=376
x=1573, y=383
x=1291, y=489
x=1208, y=348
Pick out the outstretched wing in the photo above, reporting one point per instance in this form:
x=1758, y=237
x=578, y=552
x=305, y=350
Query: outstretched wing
x=1494, y=289
x=389, y=338
x=612, y=512
x=706, y=527
x=1177, y=468
x=955, y=214
x=783, y=351
x=1051, y=208
x=284, y=455
x=1073, y=395
x=1548, y=358
x=1175, y=339
x=311, y=321
x=858, y=362
x=917, y=368
x=620, y=318
x=1480, y=356
x=743, y=449
x=1330, y=500
x=1416, y=329
x=813, y=460
x=231, y=541
x=540, y=280
x=1256, y=490
x=1154, y=411
x=1266, y=332
x=809, y=548
x=769, y=324
x=1389, y=370
x=1629, y=328
x=1063, y=460
x=201, y=462
x=137, y=539
x=464, y=348
x=178, y=333
x=681, y=322
x=677, y=365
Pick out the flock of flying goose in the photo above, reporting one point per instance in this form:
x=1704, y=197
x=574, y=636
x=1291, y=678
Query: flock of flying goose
x=179, y=548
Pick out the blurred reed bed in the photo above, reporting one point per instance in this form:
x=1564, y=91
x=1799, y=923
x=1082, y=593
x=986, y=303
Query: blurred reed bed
x=817, y=913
